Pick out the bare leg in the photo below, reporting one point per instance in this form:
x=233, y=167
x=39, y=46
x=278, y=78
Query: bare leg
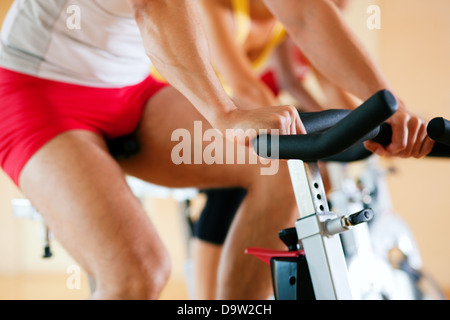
x=166, y=112
x=206, y=257
x=83, y=196
x=264, y=212
x=268, y=208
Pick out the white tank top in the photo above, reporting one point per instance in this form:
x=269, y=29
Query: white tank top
x=86, y=42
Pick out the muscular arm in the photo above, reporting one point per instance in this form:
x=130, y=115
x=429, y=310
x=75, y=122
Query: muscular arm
x=289, y=81
x=176, y=44
x=229, y=58
x=319, y=30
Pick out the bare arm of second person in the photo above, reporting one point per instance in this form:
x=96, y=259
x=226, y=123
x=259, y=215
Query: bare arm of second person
x=321, y=33
x=229, y=58
x=176, y=44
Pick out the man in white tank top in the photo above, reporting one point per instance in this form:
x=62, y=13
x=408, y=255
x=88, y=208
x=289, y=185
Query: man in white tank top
x=81, y=191
x=38, y=39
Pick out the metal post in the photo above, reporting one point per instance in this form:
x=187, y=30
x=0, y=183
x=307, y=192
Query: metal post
x=324, y=254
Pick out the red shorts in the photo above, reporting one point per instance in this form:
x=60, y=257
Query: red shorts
x=34, y=110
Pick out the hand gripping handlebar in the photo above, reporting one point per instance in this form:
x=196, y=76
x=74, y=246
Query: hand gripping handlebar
x=328, y=139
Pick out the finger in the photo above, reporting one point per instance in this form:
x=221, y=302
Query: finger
x=371, y=146
x=375, y=148
x=299, y=126
x=287, y=126
x=414, y=126
x=399, y=137
x=293, y=127
x=427, y=147
x=417, y=151
x=296, y=124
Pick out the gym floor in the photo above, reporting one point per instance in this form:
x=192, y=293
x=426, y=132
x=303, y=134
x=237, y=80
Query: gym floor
x=412, y=47
x=53, y=287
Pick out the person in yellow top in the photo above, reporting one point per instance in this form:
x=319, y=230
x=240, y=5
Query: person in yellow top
x=252, y=54
x=243, y=34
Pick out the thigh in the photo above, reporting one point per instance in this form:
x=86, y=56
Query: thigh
x=167, y=113
x=83, y=197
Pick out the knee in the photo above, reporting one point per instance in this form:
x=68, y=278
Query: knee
x=277, y=183
x=152, y=278
x=143, y=279
x=274, y=192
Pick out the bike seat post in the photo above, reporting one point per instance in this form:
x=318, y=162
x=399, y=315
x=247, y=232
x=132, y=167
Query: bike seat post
x=324, y=253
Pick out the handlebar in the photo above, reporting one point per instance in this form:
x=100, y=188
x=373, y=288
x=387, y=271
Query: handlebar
x=384, y=137
x=319, y=124
x=439, y=130
x=320, y=121
x=357, y=125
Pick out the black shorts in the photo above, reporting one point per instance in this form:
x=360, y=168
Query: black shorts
x=218, y=213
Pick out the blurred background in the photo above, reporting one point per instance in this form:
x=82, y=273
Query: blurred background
x=413, y=49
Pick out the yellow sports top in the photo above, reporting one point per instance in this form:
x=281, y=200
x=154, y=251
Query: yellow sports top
x=242, y=18
x=241, y=12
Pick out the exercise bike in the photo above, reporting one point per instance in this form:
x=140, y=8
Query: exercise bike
x=383, y=257
x=314, y=266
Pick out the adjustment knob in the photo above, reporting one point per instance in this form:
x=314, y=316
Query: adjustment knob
x=344, y=223
x=360, y=217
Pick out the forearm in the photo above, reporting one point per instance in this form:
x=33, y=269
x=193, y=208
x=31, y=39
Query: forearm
x=229, y=57
x=306, y=102
x=253, y=93
x=289, y=81
x=175, y=42
x=335, y=96
x=318, y=29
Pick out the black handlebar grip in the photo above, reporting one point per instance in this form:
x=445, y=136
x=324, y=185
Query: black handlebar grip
x=384, y=137
x=439, y=129
x=371, y=114
x=319, y=121
x=351, y=129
